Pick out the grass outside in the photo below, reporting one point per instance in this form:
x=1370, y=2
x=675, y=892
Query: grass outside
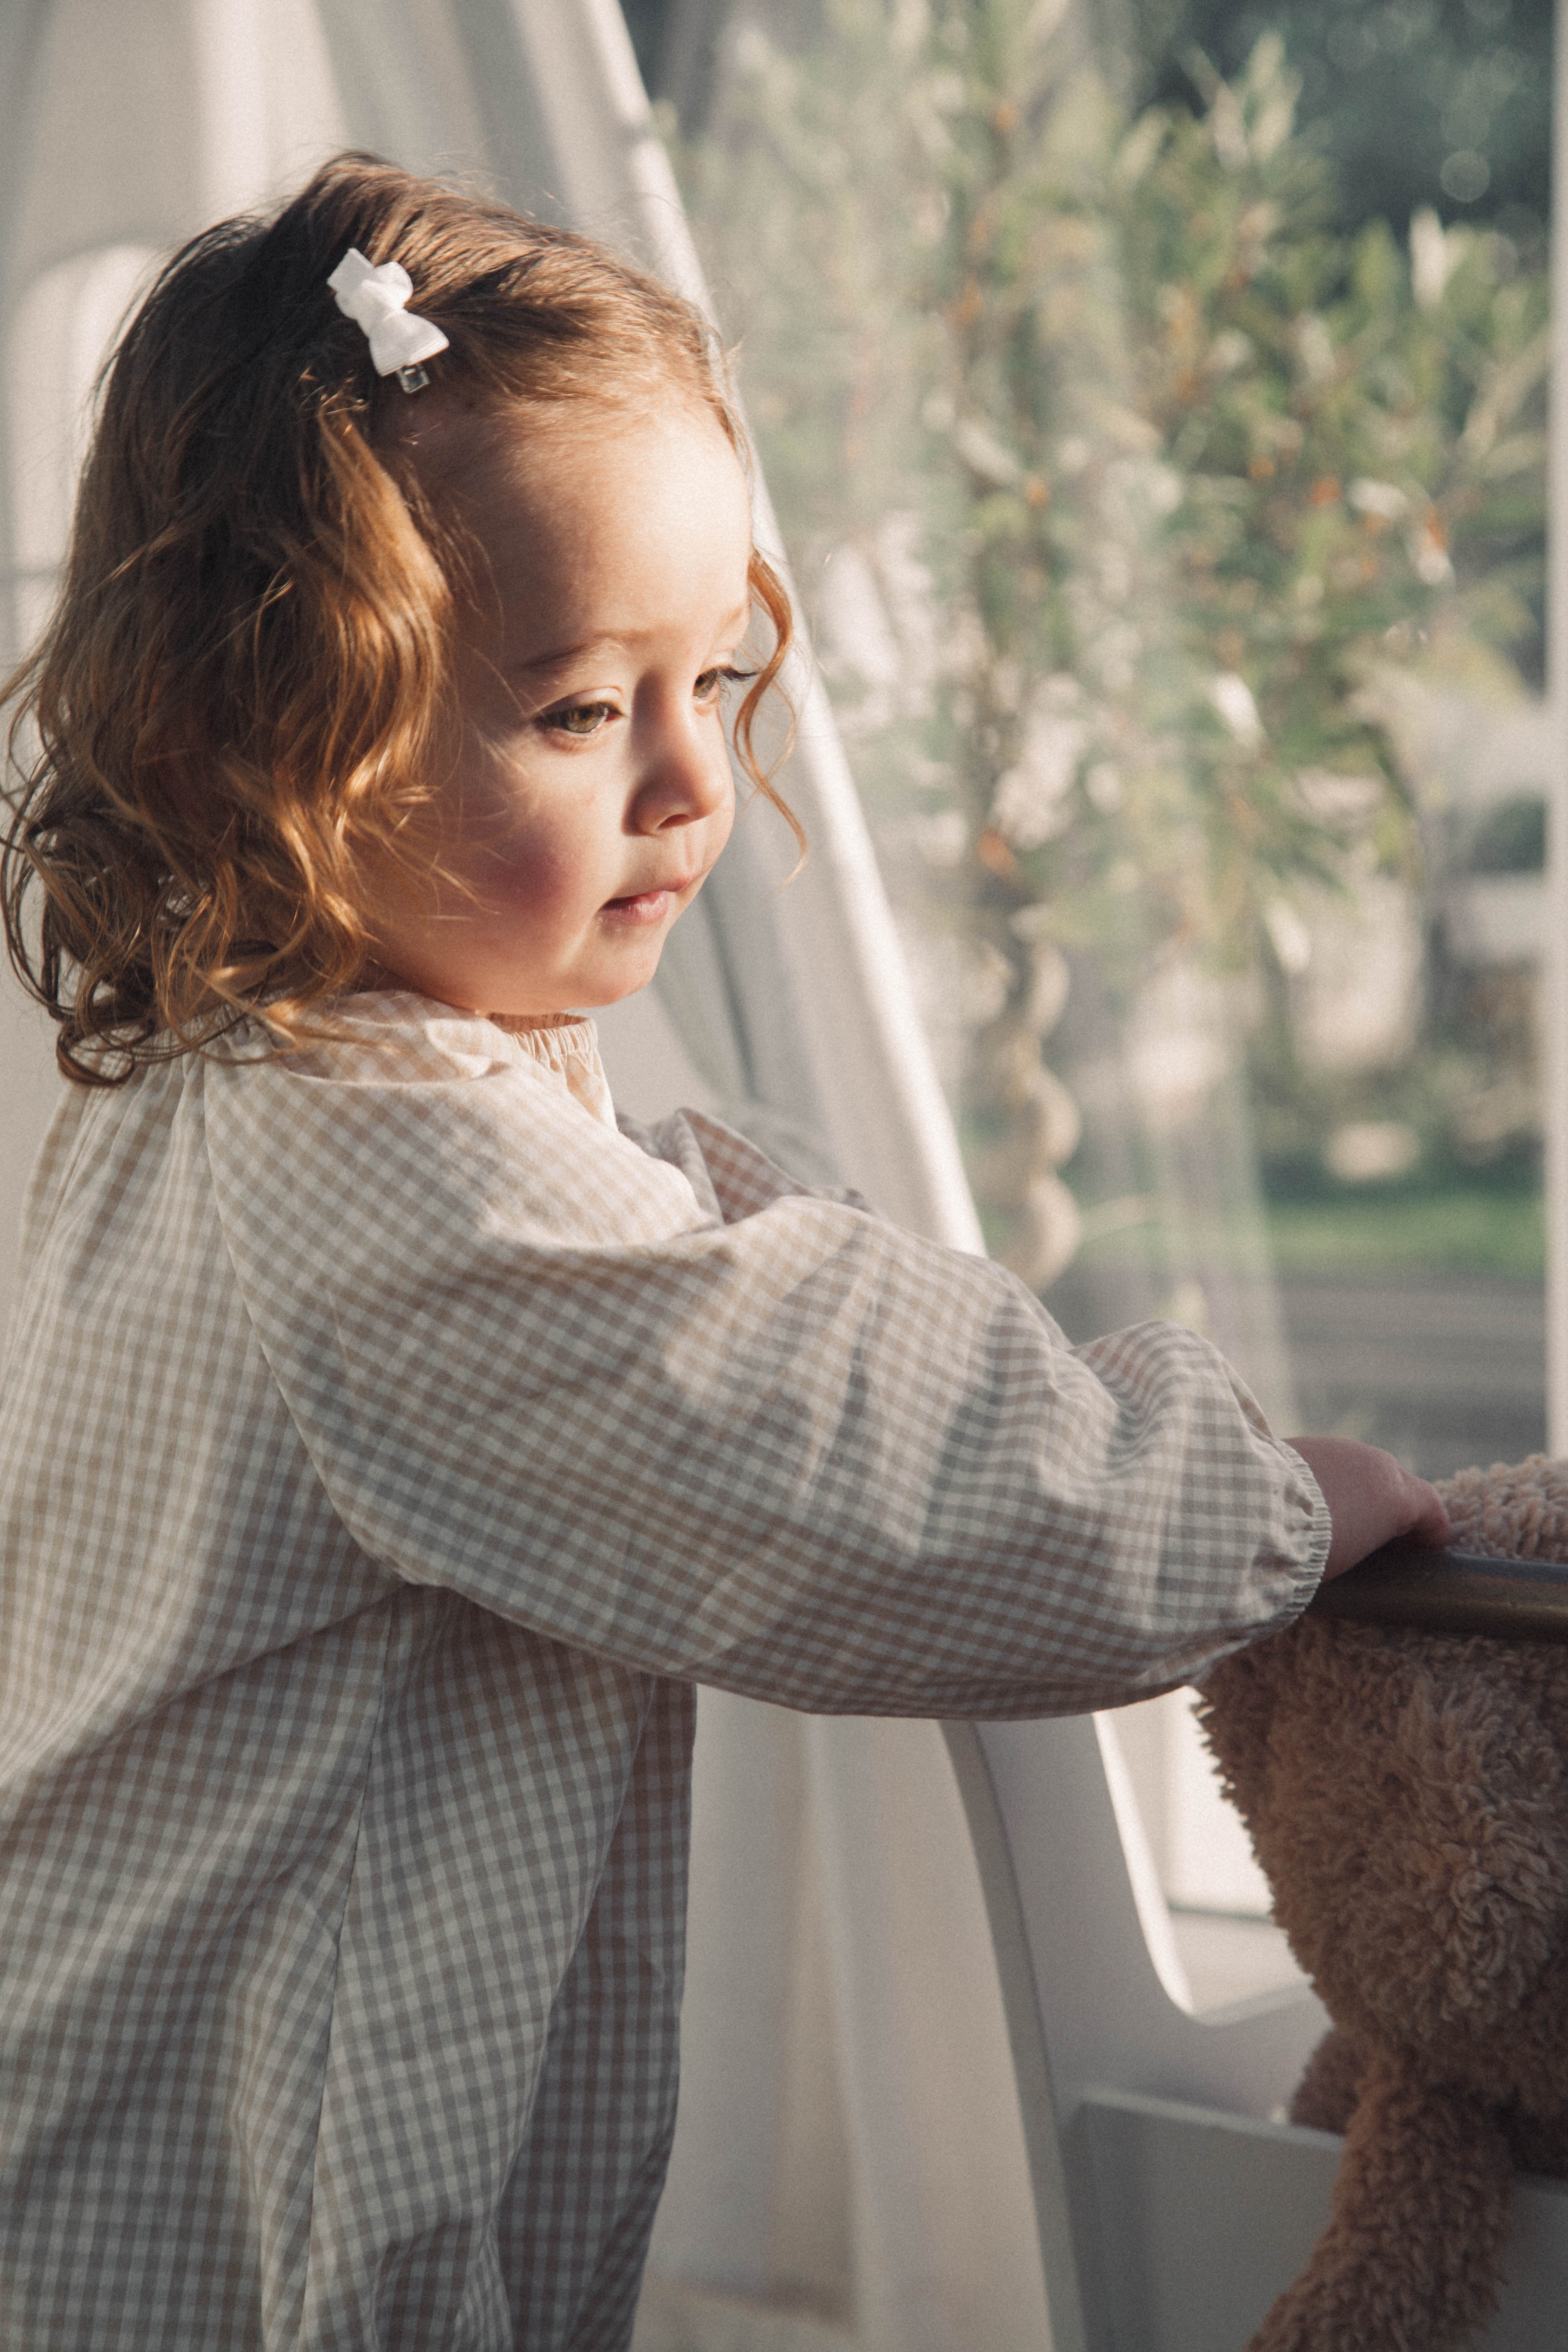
x=1466, y=1229
x=1476, y=1229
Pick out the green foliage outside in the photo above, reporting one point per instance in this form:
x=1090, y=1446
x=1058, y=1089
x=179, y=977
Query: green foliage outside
x=1438, y=102
x=1157, y=477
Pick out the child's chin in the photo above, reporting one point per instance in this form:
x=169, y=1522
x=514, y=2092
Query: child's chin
x=621, y=977
x=631, y=985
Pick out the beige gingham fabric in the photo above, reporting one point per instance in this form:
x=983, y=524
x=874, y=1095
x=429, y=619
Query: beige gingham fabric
x=387, y=1444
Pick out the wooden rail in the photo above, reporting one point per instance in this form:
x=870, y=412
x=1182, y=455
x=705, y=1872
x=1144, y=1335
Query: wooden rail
x=1451, y=1591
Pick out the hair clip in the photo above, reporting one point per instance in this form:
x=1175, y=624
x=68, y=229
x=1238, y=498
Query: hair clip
x=377, y=299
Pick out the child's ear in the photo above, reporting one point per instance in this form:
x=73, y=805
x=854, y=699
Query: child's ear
x=1418, y=1848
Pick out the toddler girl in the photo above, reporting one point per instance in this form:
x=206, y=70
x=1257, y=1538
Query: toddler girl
x=389, y=1442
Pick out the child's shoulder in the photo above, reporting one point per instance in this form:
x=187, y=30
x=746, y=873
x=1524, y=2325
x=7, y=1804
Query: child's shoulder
x=404, y=1112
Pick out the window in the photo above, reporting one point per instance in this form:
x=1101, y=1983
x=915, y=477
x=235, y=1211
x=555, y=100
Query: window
x=1157, y=428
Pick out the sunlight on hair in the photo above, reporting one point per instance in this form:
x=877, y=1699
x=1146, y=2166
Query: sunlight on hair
x=236, y=698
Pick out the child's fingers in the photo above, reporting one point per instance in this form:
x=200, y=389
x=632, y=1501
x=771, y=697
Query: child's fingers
x=1430, y=1524
x=1371, y=1497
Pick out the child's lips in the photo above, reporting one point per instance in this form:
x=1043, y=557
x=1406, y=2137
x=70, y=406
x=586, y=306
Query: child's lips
x=646, y=906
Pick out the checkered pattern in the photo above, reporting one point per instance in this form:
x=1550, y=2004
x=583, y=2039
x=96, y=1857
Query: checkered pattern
x=388, y=1444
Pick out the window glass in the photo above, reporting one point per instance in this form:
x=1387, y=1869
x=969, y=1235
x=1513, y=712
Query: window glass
x=1154, y=408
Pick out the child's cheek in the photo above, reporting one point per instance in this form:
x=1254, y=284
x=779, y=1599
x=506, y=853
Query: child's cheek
x=513, y=848
x=534, y=876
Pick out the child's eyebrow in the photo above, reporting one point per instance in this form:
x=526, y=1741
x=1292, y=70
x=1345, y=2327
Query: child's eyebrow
x=558, y=657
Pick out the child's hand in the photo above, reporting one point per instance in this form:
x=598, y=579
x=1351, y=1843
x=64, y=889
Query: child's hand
x=1371, y=1500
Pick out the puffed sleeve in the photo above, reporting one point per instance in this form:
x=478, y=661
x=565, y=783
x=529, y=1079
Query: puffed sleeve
x=709, y=1425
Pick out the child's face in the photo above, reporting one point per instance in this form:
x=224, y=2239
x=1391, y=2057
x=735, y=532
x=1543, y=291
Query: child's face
x=586, y=790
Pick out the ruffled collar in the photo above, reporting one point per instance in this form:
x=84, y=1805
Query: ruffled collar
x=570, y=1051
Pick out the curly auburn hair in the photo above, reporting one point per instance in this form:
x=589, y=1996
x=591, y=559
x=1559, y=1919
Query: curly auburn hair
x=239, y=686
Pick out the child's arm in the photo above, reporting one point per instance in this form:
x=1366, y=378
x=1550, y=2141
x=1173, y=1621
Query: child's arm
x=1371, y=1497
x=801, y=1454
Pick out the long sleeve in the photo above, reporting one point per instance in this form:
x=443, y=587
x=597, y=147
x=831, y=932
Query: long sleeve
x=800, y=1453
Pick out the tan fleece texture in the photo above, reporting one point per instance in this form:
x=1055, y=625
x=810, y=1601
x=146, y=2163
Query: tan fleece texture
x=1406, y=1794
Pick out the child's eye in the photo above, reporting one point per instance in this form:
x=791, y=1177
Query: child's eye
x=577, y=718
x=710, y=680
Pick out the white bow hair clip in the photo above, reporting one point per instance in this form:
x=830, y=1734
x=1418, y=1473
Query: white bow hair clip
x=376, y=298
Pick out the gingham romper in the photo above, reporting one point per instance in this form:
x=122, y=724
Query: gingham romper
x=388, y=1444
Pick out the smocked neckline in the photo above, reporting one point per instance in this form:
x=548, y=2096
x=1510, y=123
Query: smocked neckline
x=548, y=1040
x=568, y=1052
x=562, y=1040
x=569, y=1049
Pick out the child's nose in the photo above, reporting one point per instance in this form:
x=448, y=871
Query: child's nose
x=686, y=776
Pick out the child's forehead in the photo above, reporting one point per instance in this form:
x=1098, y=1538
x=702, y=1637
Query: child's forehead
x=468, y=450
x=605, y=520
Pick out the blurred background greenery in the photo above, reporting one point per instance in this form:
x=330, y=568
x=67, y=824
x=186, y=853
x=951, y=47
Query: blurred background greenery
x=1152, y=394
x=1390, y=92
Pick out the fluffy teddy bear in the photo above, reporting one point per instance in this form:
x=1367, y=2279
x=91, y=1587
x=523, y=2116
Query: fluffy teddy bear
x=1407, y=1793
